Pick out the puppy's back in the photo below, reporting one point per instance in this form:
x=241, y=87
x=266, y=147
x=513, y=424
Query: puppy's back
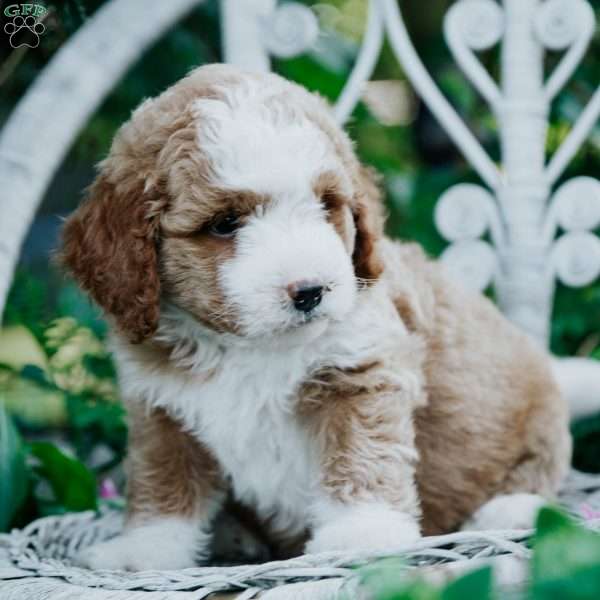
x=495, y=421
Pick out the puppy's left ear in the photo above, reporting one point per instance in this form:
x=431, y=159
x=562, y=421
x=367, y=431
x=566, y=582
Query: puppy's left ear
x=368, y=220
x=109, y=246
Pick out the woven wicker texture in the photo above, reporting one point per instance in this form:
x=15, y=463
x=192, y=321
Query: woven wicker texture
x=45, y=548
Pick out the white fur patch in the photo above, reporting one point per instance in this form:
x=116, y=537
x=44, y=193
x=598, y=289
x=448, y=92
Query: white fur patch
x=507, y=511
x=289, y=241
x=240, y=396
x=257, y=140
x=373, y=526
x=165, y=543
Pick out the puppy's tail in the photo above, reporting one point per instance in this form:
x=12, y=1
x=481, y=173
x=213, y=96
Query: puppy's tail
x=579, y=381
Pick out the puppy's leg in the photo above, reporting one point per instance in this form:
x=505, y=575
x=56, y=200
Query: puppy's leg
x=368, y=496
x=174, y=491
x=536, y=478
x=506, y=511
x=370, y=525
x=532, y=484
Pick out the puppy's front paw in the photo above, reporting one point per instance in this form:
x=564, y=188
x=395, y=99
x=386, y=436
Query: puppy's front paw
x=507, y=511
x=161, y=545
x=365, y=527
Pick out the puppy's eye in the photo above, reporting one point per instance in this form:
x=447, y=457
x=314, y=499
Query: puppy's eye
x=226, y=225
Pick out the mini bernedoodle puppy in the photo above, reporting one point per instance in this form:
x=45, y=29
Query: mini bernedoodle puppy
x=279, y=355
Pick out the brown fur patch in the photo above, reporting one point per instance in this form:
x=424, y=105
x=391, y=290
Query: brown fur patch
x=363, y=424
x=170, y=471
x=327, y=189
x=109, y=244
x=189, y=272
x=494, y=421
x=369, y=228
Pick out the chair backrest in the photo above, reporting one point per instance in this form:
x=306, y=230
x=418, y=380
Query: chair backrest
x=515, y=203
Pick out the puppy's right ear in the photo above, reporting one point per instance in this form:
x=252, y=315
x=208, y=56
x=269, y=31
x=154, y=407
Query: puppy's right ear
x=110, y=247
x=368, y=220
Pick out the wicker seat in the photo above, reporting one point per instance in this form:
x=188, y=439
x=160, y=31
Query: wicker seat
x=38, y=559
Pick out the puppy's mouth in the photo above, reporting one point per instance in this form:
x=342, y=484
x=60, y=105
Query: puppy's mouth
x=310, y=317
x=307, y=328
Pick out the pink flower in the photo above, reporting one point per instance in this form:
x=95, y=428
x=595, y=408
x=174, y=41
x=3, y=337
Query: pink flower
x=108, y=489
x=589, y=513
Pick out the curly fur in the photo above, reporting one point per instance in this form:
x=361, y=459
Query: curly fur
x=400, y=404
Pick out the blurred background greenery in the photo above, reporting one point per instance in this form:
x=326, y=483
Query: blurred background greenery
x=62, y=430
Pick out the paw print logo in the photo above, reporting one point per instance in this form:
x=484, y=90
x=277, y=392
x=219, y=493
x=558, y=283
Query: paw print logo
x=24, y=31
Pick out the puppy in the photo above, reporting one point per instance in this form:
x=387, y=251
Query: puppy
x=276, y=351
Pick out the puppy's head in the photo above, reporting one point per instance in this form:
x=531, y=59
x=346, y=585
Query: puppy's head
x=234, y=197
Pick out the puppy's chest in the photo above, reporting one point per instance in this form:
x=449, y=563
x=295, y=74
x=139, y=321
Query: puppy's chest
x=247, y=416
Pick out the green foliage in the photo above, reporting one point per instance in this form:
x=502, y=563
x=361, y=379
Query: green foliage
x=586, y=447
x=13, y=471
x=565, y=566
x=64, y=386
x=38, y=479
x=93, y=423
x=27, y=303
x=73, y=484
x=566, y=562
x=477, y=584
x=386, y=580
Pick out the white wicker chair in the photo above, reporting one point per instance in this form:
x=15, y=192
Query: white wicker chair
x=516, y=205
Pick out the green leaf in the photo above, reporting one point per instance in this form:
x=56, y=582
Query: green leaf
x=99, y=366
x=71, y=481
x=106, y=417
x=582, y=585
x=586, y=439
x=36, y=375
x=477, y=584
x=388, y=579
x=563, y=549
x=32, y=405
x=19, y=347
x=411, y=589
x=551, y=522
x=14, y=476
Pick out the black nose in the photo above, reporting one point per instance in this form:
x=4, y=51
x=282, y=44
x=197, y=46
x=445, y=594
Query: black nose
x=306, y=297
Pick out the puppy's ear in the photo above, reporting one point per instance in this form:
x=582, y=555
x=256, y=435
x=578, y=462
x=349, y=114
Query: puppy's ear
x=368, y=220
x=109, y=245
